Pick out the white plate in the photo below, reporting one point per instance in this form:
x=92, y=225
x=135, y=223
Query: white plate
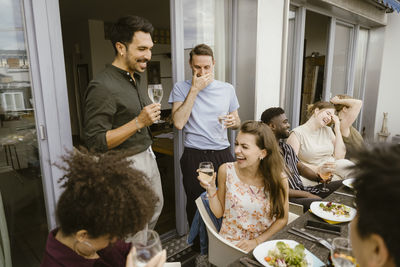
x=317, y=210
x=349, y=182
x=261, y=251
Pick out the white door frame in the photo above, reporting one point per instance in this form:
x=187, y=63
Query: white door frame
x=49, y=91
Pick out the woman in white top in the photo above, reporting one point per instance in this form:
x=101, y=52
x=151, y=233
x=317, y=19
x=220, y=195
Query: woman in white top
x=316, y=144
x=252, y=193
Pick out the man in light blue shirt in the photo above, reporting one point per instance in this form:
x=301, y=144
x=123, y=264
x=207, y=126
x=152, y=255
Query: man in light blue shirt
x=204, y=108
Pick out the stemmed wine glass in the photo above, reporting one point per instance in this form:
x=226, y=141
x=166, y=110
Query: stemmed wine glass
x=206, y=173
x=147, y=244
x=155, y=92
x=342, y=253
x=326, y=172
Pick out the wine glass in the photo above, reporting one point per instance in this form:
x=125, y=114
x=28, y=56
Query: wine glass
x=147, y=244
x=206, y=173
x=342, y=253
x=155, y=92
x=326, y=172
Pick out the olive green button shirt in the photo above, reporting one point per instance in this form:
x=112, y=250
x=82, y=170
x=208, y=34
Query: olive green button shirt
x=111, y=100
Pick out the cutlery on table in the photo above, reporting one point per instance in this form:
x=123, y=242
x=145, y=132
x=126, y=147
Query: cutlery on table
x=315, y=238
x=344, y=194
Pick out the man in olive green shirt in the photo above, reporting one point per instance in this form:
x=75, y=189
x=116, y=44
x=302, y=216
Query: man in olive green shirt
x=115, y=114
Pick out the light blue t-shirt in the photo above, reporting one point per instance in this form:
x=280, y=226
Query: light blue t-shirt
x=202, y=130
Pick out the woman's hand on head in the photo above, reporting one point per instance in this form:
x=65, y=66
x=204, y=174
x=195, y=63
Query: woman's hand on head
x=247, y=245
x=335, y=100
x=157, y=261
x=335, y=120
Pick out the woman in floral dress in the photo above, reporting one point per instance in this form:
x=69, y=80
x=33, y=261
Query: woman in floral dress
x=252, y=193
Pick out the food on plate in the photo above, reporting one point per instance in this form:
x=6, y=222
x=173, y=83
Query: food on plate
x=336, y=209
x=285, y=256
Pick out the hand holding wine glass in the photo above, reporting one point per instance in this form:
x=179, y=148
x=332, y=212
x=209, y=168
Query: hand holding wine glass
x=148, y=115
x=206, y=175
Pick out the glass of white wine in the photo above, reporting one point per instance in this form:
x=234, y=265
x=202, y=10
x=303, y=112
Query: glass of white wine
x=147, y=244
x=155, y=92
x=342, y=253
x=206, y=172
x=326, y=172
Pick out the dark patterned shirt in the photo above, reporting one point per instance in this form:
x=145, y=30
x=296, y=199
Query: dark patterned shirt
x=291, y=161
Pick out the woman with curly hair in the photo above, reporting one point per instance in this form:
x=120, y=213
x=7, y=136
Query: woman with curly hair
x=102, y=203
x=252, y=195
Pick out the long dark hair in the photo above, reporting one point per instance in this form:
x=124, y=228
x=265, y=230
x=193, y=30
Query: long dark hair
x=271, y=167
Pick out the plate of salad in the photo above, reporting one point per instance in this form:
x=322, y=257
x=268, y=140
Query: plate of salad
x=333, y=211
x=279, y=253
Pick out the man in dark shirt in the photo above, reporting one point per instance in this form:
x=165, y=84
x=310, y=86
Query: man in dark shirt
x=115, y=114
x=298, y=193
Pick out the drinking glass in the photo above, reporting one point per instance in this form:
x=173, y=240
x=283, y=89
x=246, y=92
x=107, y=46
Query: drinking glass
x=206, y=172
x=342, y=253
x=325, y=173
x=155, y=92
x=147, y=244
x=222, y=129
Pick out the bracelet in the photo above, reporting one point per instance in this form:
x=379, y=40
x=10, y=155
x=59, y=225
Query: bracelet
x=213, y=194
x=137, y=124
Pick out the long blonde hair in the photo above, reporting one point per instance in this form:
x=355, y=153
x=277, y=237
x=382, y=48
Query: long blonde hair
x=271, y=167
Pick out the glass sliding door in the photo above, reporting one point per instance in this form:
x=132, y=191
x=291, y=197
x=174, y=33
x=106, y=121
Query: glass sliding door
x=21, y=189
x=342, y=55
x=207, y=22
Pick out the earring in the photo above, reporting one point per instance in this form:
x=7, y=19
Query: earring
x=84, y=248
x=122, y=54
x=261, y=158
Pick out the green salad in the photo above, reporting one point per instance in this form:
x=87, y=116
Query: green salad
x=284, y=256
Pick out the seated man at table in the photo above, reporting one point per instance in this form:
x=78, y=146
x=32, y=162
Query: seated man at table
x=276, y=119
x=375, y=231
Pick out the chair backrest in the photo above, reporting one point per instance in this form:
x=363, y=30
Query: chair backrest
x=295, y=208
x=220, y=251
x=5, y=252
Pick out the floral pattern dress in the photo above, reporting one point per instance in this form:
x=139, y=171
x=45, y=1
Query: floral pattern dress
x=247, y=209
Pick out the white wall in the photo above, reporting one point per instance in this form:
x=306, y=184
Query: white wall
x=268, y=55
x=101, y=49
x=389, y=90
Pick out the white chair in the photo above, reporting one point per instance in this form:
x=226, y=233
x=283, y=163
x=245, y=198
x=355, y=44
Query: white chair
x=5, y=254
x=295, y=210
x=220, y=251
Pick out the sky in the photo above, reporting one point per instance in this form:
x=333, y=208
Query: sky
x=11, y=26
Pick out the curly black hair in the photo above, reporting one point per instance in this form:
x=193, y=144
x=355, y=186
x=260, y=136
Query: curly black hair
x=377, y=187
x=271, y=113
x=103, y=195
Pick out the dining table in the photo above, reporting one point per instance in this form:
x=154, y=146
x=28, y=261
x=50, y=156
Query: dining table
x=343, y=195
